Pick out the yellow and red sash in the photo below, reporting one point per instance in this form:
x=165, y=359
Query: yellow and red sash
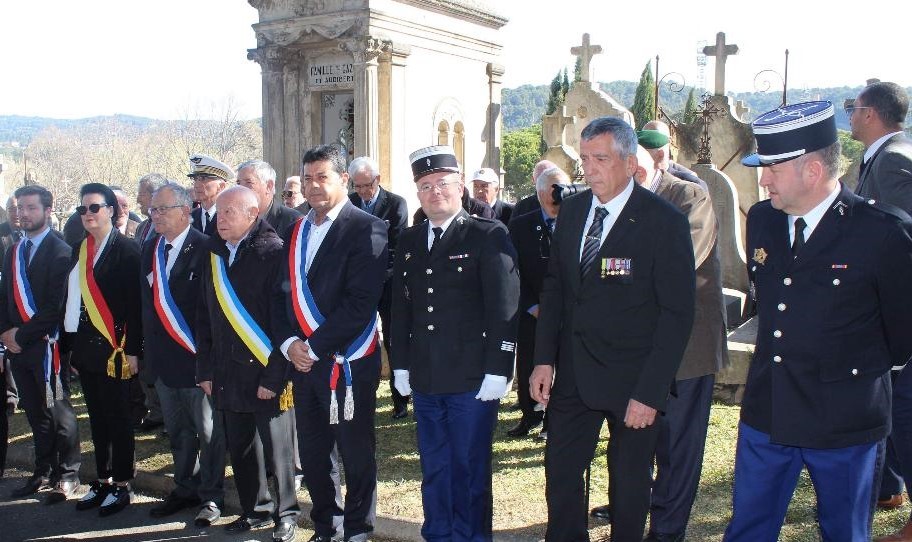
x=25, y=304
x=310, y=318
x=97, y=308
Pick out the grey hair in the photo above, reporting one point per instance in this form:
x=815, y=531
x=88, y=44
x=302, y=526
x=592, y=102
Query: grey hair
x=181, y=194
x=264, y=171
x=152, y=180
x=550, y=176
x=625, y=139
x=364, y=163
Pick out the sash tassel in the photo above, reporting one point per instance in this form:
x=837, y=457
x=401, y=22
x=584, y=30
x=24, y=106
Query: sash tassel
x=286, y=400
x=125, y=373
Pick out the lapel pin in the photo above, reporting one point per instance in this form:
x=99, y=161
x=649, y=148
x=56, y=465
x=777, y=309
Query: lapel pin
x=759, y=255
x=408, y=255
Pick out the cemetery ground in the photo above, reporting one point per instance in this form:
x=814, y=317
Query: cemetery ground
x=520, y=511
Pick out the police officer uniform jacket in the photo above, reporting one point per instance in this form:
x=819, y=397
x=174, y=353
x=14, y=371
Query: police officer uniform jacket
x=455, y=311
x=831, y=323
x=222, y=357
x=170, y=361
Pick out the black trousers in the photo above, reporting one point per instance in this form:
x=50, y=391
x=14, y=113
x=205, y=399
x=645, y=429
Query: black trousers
x=525, y=349
x=54, y=429
x=261, y=442
x=108, y=402
x=8, y=400
x=573, y=432
x=356, y=441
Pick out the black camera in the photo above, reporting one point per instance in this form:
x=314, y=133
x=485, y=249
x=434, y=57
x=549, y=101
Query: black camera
x=559, y=192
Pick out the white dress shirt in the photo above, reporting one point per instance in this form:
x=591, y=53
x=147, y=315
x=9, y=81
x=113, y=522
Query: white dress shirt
x=614, y=206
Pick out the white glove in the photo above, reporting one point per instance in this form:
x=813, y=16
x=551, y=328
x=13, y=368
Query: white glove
x=492, y=387
x=401, y=382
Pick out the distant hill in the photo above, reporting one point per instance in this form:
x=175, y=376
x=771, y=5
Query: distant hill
x=21, y=130
x=524, y=106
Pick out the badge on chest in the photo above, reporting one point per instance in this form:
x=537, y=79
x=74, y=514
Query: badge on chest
x=616, y=267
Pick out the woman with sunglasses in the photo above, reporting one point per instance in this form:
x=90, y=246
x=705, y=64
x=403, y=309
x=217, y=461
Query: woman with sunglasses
x=102, y=324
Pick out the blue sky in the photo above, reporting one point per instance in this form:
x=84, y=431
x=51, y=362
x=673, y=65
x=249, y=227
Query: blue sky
x=158, y=58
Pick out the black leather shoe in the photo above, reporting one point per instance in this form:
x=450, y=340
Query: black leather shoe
x=95, y=496
x=245, y=523
x=147, y=425
x=62, y=491
x=284, y=531
x=663, y=537
x=524, y=426
x=172, y=505
x=399, y=413
x=320, y=538
x=601, y=512
x=117, y=499
x=33, y=484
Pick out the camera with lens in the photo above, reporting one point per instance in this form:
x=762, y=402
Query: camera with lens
x=559, y=191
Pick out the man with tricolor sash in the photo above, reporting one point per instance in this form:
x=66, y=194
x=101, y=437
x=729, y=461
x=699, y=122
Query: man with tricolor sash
x=336, y=259
x=31, y=298
x=172, y=264
x=237, y=366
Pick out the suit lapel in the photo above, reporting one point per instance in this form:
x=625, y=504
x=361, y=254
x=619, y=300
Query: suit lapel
x=184, y=256
x=382, y=201
x=331, y=238
x=454, y=233
x=570, y=227
x=827, y=231
x=865, y=172
x=38, y=257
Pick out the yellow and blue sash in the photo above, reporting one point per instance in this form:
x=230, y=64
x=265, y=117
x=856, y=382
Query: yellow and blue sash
x=241, y=322
x=310, y=318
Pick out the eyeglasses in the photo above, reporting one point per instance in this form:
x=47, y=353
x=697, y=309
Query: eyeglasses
x=206, y=178
x=442, y=186
x=163, y=209
x=363, y=186
x=288, y=193
x=94, y=208
x=849, y=109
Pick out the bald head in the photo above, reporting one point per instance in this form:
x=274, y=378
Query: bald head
x=646, y=166
x=658, y=126
x=541, y=166
x=238, y=208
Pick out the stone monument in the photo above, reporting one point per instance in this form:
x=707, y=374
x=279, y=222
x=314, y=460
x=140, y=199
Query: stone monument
x=381, y=78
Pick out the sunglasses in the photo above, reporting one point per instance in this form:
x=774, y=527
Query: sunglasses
x=94, y=208
x=288, y=193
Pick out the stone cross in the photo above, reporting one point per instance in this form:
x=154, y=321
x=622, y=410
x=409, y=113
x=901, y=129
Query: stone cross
x=721, y=51
x=585, y=52
x=553, y=127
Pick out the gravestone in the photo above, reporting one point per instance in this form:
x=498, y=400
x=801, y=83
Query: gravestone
x=563, y=155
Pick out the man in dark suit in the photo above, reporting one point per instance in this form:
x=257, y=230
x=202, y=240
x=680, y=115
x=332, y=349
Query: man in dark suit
x=210, y=177
x=327, y=322
x=617, y=307
x=260, y=177
x=28, y=327
x=148, y=184
x=486, y=187
x=531, y=234
x=829, y=273
x=372, y=198
x=683, y=426
x=531, y=203
x=239, y=368
x=172, y=264
x=455, y=299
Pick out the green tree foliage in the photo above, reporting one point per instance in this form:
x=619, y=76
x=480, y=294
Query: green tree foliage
x=520, y=152
x=578, y=70
x=690, y=108
x=565, y=84
x=644, y=99
x=851, y=150
x=556, y=96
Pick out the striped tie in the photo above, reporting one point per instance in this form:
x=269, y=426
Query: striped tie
x=593, y=241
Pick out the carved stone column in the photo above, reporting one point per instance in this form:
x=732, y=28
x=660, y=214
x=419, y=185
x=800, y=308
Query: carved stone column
x=367, y=114
x=494, y=124
x=394, y=154
x=272, y=63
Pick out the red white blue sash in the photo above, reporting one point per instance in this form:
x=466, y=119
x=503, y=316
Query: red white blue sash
x=168, y=312
x=25, y=304
x=310, y=318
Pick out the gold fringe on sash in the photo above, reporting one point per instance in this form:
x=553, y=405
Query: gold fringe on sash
x=125, y=373
x=286, y=400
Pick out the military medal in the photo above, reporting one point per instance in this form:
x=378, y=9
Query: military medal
x=616, y=266
x=759, y=255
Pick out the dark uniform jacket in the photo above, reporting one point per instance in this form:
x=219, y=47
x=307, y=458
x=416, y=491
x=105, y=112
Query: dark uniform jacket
x=525, y=205
x=888, y=178
x=174, y=364
x=116, y=274
x=345, y=278
x=47, y=275
x=707, y=349
x=455, y=311
x=618, y=337
x=831, y=323
x=502, y=211
x=196, y=220
x=222, y=356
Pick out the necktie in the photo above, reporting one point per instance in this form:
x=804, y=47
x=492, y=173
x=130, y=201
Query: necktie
x=17, y=235
x=204, y=218
x=437, y=233
x=550, y=223
x=28, y=252
x=168, y=248
x=800, y=224
x=593, y=240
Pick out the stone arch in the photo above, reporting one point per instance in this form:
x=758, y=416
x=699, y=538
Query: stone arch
x=443, y=133
x=449, y=112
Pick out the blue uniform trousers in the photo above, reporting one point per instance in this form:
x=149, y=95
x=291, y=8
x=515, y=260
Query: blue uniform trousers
x=455, y=435
x=765, y=478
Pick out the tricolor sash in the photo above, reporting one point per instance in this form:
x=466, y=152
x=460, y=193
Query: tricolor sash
x=25, y=304
x=310, y=318
x=168, y=312
x=97, y=308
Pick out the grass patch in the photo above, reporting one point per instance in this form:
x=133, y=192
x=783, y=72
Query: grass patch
x=519, y=476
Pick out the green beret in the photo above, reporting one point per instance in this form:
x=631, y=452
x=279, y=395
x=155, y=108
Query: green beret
x=652, y=139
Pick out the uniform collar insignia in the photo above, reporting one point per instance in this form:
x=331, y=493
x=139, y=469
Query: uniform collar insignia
x=840, y=207
x=759, y=255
